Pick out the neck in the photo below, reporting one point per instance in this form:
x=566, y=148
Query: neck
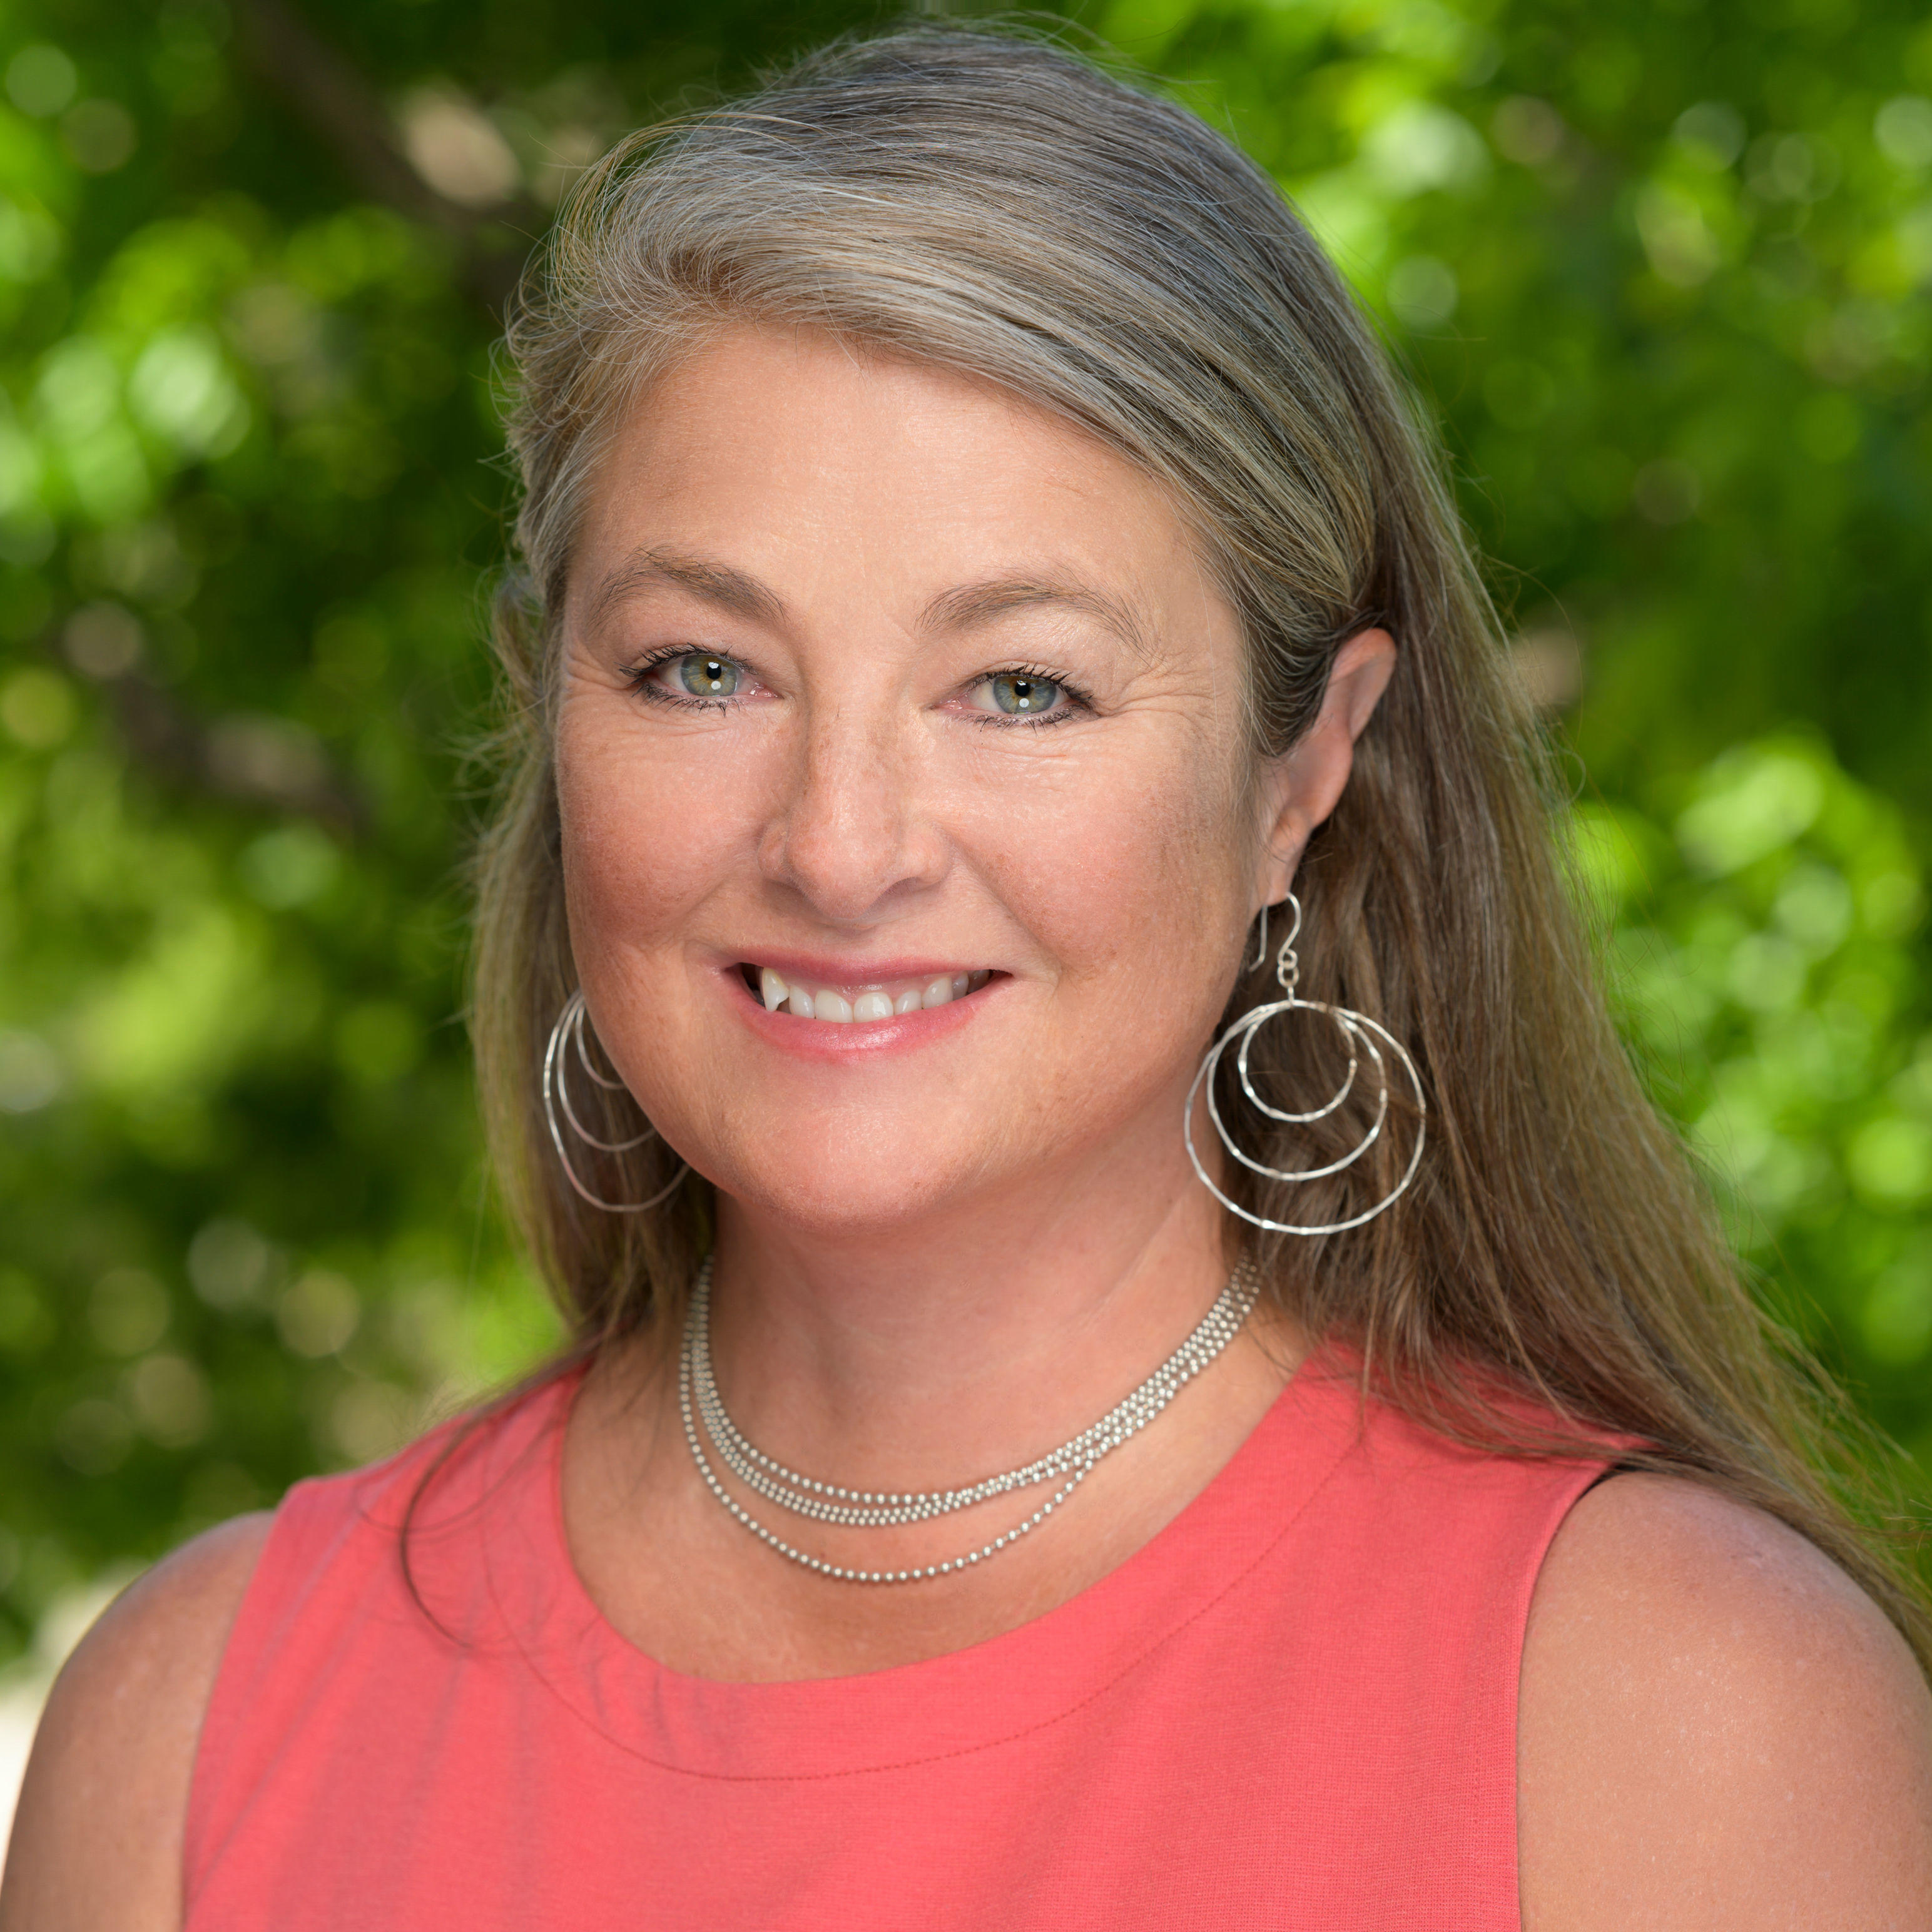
x=934, y=1352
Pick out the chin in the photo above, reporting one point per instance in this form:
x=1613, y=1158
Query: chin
x=832, y=1190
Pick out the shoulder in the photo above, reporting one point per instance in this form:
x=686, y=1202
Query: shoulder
x=97, y=1836
x=1718, y=1727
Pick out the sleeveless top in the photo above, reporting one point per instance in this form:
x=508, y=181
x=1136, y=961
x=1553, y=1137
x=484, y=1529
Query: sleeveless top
x=1294, y=1708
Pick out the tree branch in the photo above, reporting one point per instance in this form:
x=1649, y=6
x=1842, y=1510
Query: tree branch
x=345, y=112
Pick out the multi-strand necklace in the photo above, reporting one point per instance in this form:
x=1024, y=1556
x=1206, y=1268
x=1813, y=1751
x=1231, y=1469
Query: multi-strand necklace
x=1067, y=1467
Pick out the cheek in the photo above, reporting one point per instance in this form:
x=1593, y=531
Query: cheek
x=636, y=855
x=1131, y=878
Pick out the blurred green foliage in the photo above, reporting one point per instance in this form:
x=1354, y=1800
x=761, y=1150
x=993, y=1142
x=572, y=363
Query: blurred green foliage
x=1763, y=957
x=1662, y=271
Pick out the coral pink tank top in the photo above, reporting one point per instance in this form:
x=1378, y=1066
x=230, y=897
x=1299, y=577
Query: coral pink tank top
x=1295, y=1707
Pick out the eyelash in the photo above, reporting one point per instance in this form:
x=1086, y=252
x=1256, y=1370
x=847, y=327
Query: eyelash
x=1077, y=701
x=639, y=677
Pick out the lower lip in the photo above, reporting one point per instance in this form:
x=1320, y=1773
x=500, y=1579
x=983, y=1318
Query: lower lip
x=835, y=1039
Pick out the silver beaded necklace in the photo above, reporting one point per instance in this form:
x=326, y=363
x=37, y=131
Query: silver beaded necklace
x=1068, y=1465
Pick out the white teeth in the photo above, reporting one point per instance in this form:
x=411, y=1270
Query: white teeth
x=866, y=1005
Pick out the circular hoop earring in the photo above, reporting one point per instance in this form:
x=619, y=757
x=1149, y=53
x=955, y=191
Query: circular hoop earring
x=568, y=1031
x=1359, y=1034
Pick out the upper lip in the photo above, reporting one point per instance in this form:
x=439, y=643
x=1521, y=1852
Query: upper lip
x=808, y=969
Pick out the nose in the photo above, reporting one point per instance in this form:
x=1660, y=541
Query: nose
x=851, y=835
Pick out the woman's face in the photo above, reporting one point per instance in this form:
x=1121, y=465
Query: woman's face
x=910, y=835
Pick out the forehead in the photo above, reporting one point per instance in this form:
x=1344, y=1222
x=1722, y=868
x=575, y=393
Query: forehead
x=799, y=463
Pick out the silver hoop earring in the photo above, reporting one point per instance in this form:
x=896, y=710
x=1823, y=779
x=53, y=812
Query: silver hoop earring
x=1359, y=1034
x=569, y=1031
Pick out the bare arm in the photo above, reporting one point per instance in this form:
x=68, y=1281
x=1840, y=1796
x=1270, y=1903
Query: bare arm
x=1718, y=1729
x=97, y=1838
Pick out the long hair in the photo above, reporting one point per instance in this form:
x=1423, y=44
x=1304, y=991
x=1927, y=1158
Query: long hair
x=997, y=206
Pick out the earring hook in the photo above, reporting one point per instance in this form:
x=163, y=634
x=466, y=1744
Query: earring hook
x=1260, y=959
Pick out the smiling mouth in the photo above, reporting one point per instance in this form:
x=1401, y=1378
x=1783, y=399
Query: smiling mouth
x=859, y=1005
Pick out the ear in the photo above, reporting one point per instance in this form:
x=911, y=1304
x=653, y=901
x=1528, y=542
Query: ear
x=1299, y=788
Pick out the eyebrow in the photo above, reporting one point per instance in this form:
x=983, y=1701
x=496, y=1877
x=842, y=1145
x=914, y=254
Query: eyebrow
x=970, y=603
x=714, y=584
x=979, y=603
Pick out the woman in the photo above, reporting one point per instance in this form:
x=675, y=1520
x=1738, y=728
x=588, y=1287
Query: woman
x=990, y=640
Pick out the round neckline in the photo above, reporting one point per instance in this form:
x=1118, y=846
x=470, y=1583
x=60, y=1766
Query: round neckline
x=1022, y=1680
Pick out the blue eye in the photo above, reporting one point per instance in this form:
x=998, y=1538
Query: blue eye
x=1019, y=695
x=705, y=676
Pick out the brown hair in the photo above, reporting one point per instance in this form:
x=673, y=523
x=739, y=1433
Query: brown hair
x=998, y=206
